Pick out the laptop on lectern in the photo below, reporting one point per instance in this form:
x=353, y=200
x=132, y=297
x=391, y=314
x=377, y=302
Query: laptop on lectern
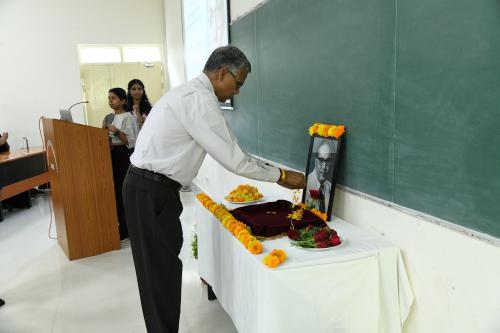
x=66, y=115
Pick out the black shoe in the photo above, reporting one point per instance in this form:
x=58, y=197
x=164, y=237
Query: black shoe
x=2, y=302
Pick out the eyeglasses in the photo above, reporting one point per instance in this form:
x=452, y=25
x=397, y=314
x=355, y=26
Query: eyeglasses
x=238, y=82
x=325, y=161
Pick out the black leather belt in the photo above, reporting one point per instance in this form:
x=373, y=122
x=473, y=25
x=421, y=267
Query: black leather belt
x=157, y=177
x=117, y=147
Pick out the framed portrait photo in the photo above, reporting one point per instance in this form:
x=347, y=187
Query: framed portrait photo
x=321, y=173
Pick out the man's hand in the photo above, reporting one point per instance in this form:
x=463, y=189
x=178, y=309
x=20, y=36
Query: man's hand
x=293, y=180
x=112, y=128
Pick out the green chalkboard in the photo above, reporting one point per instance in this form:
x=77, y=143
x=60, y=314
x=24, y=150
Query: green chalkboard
x=417, y=85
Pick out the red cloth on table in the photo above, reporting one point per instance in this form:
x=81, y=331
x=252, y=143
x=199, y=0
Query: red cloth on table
x=270, y=219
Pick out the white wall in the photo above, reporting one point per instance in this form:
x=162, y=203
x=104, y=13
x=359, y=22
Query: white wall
x=38, y=53
x=455, y=278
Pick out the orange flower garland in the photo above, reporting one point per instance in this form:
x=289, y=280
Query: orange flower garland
x=326, y=130
x=239, y=229
x=275, y=258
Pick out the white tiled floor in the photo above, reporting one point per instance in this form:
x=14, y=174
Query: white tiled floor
x=45, y=292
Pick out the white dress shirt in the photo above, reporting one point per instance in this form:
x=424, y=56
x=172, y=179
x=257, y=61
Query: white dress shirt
x=127, y=124
x=313, y=183
x=184, y=125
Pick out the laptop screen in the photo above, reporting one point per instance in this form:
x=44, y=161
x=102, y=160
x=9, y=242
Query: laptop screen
x=66, y=115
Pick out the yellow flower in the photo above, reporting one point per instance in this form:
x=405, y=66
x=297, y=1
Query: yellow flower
x=327, y=130
x=255, y=248
x=228, y=222
x=339, y=131
x=217, y=210
x=323, y=129
x=246, y=239
x=236, y=230
x=212, y=206
x=271, y=261
x=296, y=215
x=242, y=234
x=232, y=226
x=313, y=130
x=244, y=193
x=251, y=242
x=225, y=217
x=319, y=214
x=332, y=130
x=280, y=254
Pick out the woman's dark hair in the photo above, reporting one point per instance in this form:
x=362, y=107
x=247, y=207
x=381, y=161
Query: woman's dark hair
x=120, y=93
x=144, y=104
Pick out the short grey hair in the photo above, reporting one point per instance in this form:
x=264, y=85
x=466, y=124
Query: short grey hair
x=227, y=56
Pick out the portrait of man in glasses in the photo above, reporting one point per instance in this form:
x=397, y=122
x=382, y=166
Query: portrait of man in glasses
x=319, y=180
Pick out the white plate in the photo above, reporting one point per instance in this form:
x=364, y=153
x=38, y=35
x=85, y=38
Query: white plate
x=243, y=203
x=342, y=242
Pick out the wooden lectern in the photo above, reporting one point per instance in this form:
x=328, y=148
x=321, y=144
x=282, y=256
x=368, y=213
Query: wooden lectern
x=83, y=196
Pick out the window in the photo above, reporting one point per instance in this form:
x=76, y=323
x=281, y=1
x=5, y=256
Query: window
x=141, y=54
x=205, y=27
x=99, y=54
x=96, y=55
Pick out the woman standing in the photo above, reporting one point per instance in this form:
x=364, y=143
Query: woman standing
x=137, y=101
x=123, y=133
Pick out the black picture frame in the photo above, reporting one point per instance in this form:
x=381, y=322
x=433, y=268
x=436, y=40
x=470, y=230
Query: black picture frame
x=315, y=165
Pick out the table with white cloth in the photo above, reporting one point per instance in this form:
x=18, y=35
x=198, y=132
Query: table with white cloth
x=360, y=286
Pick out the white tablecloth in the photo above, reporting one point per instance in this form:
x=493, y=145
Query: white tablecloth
x=361, y=286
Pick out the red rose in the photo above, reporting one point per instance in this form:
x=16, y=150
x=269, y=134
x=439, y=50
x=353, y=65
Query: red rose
x=322, y=244
x=315, y=194
x=335, y=240
x=293, y=234
x=321, y=235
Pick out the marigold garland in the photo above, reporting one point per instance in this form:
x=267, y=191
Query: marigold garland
x=239, y=229
x=242, y=232
x=327, y=130
x=275, y=258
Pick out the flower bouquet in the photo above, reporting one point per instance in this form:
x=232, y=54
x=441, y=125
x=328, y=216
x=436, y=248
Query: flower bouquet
x=314, y=237
x=244, y=194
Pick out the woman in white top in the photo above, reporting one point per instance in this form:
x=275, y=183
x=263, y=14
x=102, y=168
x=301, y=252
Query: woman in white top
x=123, y=133
x=138, y=101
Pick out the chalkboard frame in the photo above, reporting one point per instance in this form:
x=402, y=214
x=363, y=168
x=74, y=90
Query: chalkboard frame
x=334, y=172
